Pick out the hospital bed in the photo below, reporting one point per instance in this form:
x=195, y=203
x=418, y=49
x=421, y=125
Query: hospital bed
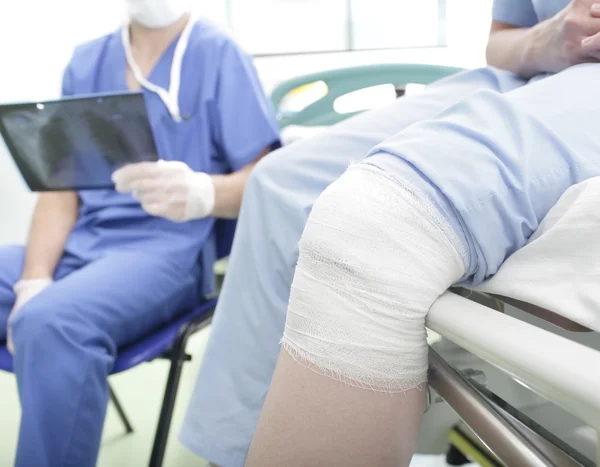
x=562, y=371
x=494, y=433
x=559, y=369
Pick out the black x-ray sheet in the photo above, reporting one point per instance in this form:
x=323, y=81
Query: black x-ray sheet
x=77, y=143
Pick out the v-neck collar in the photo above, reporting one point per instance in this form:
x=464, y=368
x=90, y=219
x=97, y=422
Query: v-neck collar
x=176, y=50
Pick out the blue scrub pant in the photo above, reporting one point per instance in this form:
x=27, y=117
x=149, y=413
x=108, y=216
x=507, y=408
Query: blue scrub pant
x=66, y=340
x=501, y=150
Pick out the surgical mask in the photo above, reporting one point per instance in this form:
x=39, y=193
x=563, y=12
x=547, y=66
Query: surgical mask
x=156, y=14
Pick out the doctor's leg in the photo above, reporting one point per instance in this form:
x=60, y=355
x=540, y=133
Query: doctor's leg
x=11, y=264
x=249, y=321
x=65, y=344
x=346, y=389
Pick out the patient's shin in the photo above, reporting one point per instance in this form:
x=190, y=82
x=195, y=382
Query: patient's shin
x=374, y=256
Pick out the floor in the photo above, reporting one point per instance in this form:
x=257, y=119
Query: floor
x=140, y=391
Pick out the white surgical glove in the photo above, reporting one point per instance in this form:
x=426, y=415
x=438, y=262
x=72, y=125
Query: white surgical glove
x=24, y=290
x=168, y=189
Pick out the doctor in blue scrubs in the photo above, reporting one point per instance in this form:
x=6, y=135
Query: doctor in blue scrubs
x=102, y=268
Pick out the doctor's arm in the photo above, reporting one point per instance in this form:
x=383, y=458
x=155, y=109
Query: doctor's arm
x=516, y=43
x=171, y=189
x=243, y=128
x=53, y=219
x=230, y=188
x=54, y=216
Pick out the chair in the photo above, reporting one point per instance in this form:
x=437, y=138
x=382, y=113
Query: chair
x=169, y=342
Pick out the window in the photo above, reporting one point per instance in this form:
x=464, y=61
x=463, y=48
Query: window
x=385, y=24
x=272, y=27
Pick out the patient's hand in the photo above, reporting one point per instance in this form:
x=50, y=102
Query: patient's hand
x=571, y=37
x=591, y=44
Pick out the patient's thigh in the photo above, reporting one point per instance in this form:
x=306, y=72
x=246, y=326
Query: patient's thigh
x=549, y=141
x=307, y=167
x=504, y=159
x=370, y=128
x=568, y=105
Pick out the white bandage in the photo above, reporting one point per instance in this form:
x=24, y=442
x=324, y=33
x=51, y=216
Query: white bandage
x=373, y=258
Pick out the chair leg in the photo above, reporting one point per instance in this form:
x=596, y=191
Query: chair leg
x=177, y=358
x=120, y=411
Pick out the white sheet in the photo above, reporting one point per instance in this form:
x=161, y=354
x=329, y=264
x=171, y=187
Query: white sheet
x=559, y=268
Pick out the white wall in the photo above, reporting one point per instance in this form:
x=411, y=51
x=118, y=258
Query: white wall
x=37, y=38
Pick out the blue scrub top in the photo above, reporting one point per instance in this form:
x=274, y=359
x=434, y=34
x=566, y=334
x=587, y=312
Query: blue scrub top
x=526, y=13
x=227, y=122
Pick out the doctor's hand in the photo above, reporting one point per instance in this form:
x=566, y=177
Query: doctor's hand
x=168, y=189
x=24, y=290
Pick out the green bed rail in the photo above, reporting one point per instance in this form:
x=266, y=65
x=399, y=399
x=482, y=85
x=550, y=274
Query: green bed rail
x=346, y=80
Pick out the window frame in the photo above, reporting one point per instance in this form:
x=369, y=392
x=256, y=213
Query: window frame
x=350, y=37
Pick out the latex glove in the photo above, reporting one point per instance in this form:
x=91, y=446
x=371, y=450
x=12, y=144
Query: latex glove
x=168, y=189
x=24, y=290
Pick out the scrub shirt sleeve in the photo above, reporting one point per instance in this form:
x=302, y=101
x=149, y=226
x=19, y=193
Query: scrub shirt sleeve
x=245, y=123
x=516, y=12
x=68, y=84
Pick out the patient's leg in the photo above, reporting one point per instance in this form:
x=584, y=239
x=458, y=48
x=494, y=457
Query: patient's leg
x=348, y=389
x=244, y=344
x=330, y=423
x=501, y=162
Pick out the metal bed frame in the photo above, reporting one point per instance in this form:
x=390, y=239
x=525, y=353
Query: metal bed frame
x=560, y=370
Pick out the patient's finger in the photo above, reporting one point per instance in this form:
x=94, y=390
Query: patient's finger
x=591, y=44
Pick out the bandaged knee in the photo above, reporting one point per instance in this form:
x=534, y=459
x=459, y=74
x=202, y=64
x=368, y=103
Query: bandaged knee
x=374, y=256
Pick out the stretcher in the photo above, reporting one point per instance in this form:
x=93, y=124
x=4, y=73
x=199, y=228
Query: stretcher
x=557, y=368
